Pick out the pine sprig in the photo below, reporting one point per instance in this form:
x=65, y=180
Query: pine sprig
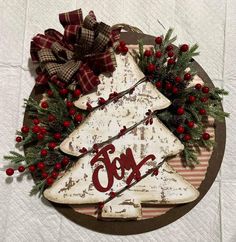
x=42, y=138
x=38, y=188
x=15, y=157
x=172, y=74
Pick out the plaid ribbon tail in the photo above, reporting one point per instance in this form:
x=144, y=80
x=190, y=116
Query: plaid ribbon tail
x=57, y=36
x=41, y=79
x=86, y=78
x=67, y=70
x=73, y=17
x=34, y=52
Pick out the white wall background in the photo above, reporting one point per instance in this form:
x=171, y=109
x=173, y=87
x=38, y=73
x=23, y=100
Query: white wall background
x=210, y=23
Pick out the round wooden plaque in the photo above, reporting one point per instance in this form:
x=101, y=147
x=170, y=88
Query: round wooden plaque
x=141, y=226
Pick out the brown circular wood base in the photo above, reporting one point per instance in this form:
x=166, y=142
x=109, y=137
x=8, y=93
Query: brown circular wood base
x=141, y=226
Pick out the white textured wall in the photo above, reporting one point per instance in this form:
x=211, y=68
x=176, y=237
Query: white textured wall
x=210, y=23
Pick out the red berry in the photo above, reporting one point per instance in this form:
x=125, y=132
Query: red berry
x=54, y=174
x=158, y=84
x=198, y=86
x=151, y=67
x=9, y=171
x=32, y=168
x=191, y=99
x=40, y=136
x=78, y=117
x=175, y=90
x=72, y=111
x=63, y=91
x=202, y=111
x=36, y=121
x=158, y=40
x=147, y=53
x=101, y=101
x=124, y=49
x=50, y=181
x=112, y=194
x=100, y=205
x=168, y=86
x=57, y=166
x=43, y=130
x=170, y=53
x=25, y=129
x=205, y=89
x=169, y=47
x=122, y=43
x=171, y=61
x=158, y=54
x=36, y=129
x=184, y=48
x=51, y=118
x=112, y=95
x=69, y=104
x=44, y=175
x=52, y=145
x=187, y=76
x=44, y=104
x=187, y=137
x=18, y=139
x=50, y=93
x=180, y=129
x=205, y=136
x=76, y=93
x=57, y=136
x=40, y=165
x=44, y=152
x=178, y=79
x=180, y=111
x=190, y=124
x=203, y=99
x=21, y=168
x=66, y=123
x=119, y=48
x=65, y=161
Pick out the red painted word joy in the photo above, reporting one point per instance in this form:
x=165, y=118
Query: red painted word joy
x=117, y=167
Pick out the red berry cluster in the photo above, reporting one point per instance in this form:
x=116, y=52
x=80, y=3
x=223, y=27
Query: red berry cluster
x=77, y=117
x=37, y=130
x=184, y=129
x=168, y=52
x=203, y=97
x=122, y=48
x=48, y=138
x=173, y=84
x=41, y=169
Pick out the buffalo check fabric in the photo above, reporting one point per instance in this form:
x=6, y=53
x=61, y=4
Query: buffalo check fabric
x=85, y=46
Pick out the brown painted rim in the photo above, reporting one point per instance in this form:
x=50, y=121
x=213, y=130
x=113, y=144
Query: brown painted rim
x=142, y=226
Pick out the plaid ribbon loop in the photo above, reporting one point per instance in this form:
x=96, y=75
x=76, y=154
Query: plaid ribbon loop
x=85, y=48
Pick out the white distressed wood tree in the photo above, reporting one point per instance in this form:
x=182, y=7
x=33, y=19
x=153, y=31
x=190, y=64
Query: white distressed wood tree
x=77, y=186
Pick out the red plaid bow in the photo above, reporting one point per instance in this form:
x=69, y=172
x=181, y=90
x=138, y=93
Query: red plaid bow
x=85, y=50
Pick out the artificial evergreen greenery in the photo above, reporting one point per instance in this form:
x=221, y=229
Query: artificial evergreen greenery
x=33, y=146
x=170, y=77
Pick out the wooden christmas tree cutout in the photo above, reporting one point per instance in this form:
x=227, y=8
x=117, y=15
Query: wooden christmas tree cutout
x=126, y=75
x=167, y=187
x=117, y=166
x=77, y=185
x=102, y=124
